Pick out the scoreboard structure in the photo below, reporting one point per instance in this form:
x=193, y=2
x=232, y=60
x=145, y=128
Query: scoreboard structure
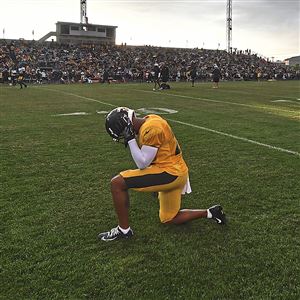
x=83, y=32
x=79, y=33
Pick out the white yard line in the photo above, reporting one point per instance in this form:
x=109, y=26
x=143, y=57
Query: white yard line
x=237, y=137
x=217, y=101
x=194, y=126
x=78, y=96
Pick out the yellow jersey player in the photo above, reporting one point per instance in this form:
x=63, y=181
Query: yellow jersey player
x=160, y=168
x=21, y=77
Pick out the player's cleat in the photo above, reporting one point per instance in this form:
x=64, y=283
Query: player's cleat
x=217, y=214
x=114, y=234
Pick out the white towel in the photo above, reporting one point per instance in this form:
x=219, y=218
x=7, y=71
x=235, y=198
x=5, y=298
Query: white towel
x=187, y=188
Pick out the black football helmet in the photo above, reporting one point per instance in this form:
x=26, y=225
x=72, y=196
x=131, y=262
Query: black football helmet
x=116, y=122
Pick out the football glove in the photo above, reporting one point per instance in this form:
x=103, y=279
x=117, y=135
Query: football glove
x=128, y=133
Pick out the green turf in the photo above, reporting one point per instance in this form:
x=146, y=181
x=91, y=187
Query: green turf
x=55, y=198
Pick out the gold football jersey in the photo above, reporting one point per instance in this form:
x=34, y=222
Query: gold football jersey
x=156, y=132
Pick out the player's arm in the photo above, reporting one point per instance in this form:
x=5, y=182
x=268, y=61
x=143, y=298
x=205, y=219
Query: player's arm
x=143, y=156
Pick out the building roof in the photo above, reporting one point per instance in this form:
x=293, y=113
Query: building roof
x=89, y=24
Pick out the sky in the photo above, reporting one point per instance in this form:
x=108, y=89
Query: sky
x=270, y=28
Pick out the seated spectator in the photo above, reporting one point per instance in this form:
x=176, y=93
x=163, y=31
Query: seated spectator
x=51, y=62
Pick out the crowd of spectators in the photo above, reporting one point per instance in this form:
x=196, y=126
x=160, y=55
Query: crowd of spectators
x=51, y=62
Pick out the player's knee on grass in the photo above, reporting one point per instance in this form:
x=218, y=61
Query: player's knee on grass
x=166, y=217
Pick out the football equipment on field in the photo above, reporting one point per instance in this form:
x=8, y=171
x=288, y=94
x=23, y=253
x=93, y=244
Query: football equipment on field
x=118, y=124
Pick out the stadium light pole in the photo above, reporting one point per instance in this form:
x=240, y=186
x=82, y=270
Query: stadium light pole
x=229, y=25
x=83, y=14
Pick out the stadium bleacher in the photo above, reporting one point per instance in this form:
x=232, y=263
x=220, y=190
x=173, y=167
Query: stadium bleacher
x=52, y=62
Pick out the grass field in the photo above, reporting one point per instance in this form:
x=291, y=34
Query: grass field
x=242, y=146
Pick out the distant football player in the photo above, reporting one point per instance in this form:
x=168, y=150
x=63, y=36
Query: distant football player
x=156, y=76
x=160, y=168
x=105, y=77
x=216, y=74
x=165, y=73
x=13, y=77
x=193, y=74
x=21, y=77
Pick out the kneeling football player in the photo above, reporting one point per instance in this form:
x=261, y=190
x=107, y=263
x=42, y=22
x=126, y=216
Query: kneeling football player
x=160, y=168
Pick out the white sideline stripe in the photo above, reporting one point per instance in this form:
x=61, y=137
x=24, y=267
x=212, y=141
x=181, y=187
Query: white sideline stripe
x=282, y=100
x=219, y=101
x=237, y=137
x=78, y=96
x=79, y=113
x=195, y=126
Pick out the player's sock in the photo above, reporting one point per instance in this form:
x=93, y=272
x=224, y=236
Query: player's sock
x=209, y=215
x=125, y=231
